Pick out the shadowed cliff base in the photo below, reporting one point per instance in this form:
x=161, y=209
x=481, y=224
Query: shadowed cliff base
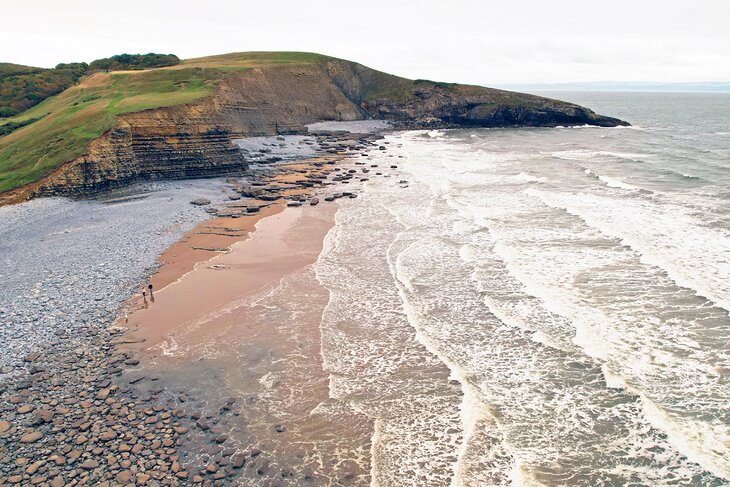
x=115, y=128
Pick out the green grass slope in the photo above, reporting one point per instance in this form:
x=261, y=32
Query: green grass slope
x=59, y=129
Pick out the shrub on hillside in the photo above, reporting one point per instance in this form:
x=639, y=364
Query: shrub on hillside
x=134, y=62
x=19, y=92
x=8, y=112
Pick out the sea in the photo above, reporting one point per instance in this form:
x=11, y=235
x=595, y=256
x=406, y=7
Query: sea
x=541, y=306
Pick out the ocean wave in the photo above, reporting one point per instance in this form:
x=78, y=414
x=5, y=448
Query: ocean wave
x=611, y=182
x=581, y=154
x=695, y=256
x=698, y=440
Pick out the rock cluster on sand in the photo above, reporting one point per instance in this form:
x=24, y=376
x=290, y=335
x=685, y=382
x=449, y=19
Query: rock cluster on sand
x=68, y=420
x=80, y=414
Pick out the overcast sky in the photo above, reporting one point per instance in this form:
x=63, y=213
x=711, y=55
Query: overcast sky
x=482, y=42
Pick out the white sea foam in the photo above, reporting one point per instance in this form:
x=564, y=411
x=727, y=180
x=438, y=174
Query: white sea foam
x=560, y=338
x=665, y=236
x=417, y=423
x=582, y=154
x=616, y=183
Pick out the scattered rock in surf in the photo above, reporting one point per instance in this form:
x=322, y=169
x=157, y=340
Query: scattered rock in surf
x=314, y=201
x=200, y=202
x=238, y=460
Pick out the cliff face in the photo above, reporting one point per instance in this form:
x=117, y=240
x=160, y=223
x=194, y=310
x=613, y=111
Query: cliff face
x=175, y=143
x=194, y=140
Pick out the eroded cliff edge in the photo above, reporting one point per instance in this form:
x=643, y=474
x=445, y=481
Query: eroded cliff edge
x=195, y=140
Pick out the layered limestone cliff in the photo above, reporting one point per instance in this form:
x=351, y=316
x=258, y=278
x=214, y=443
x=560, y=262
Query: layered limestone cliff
x=195, y=140
x=175, y=143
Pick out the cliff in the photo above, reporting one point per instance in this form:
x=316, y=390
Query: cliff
x=178, y=122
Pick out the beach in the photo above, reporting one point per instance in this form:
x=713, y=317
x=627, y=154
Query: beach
x=163, y=403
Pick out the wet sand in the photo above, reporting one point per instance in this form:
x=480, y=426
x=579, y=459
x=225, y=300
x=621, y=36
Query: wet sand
x=212, y=236
x=202, y=310
x=217, y=234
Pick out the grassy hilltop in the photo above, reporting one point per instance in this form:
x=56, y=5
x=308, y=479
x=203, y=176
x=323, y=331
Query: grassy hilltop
x=58, y=129
x=258, y=90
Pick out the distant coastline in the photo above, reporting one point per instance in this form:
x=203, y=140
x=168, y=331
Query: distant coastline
x=630, y=86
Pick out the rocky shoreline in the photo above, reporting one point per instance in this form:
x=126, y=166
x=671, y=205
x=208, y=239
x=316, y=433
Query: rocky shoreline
x=79, y=409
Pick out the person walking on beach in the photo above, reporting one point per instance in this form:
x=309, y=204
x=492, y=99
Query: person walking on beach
x=144, y=297
x=152, y=296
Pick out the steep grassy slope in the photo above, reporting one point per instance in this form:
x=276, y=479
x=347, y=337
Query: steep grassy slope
x=63, y=125
x=166, y=113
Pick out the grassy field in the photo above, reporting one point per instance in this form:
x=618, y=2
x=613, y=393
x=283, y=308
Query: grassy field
x=67, y=122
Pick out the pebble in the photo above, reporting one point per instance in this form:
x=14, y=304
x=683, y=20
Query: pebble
x=25, y=408
x=31, y=437
x=89, y=464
